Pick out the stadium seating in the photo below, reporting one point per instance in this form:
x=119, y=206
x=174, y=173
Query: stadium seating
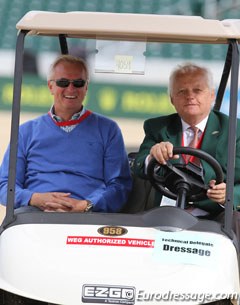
x=12, y=11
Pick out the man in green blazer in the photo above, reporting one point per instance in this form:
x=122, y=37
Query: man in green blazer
x=192, y=94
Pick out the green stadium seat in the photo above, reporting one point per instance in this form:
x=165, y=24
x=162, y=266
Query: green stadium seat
x=154, y=49
x=72, y=5
x=233, y=14
x=126, y=6
x=92, y=6
x=110, y=6
x=53, y=6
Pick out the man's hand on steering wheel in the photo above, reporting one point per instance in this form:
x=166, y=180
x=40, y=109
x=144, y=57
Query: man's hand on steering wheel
x=162, y=152
x=217, y=192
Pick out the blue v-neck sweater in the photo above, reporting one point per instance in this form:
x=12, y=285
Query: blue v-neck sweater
x=90, y=162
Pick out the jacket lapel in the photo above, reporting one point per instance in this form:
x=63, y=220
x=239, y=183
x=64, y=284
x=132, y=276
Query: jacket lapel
x=174, y=131
x=210, y=143
x=211, y=134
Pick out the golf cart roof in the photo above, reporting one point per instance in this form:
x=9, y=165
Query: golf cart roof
x=159, y=28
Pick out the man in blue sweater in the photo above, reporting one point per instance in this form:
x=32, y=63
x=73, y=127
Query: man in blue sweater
x=70, y=159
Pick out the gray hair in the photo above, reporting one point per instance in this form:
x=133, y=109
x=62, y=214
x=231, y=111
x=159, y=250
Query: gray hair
x=69, y=59
x=190, y=68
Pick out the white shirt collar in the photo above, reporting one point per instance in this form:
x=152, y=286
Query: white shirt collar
x=200, y=125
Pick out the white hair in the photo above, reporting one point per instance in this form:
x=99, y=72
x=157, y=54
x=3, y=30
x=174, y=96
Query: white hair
x=190, y=68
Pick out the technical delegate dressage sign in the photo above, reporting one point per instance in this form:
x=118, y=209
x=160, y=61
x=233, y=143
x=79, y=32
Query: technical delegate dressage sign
x=188, y=247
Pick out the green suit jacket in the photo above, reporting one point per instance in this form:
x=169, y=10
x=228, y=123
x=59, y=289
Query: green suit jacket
x=215, y=142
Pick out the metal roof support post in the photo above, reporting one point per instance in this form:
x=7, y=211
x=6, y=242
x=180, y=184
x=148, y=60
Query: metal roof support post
x=63, y=43
x=18, y=71
x=224, y=78
x=232, y=138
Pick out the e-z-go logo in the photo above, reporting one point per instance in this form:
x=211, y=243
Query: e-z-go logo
x=108, y=294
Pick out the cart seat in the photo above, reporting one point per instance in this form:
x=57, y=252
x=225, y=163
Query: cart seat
x=142, y=195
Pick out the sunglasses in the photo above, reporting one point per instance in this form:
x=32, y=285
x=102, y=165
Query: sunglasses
x=64, y=83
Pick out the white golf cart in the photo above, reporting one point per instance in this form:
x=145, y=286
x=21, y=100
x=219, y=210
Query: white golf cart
x=159, y=255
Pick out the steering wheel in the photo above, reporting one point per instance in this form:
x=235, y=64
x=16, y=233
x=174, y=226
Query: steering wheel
x=174, y=179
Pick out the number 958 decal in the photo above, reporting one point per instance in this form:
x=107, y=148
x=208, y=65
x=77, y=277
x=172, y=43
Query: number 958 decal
x=112, y=231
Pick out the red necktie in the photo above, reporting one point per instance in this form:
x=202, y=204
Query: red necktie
x=193, y=143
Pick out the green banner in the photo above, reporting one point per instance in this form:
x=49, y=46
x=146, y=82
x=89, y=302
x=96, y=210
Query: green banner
x=113, y=100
